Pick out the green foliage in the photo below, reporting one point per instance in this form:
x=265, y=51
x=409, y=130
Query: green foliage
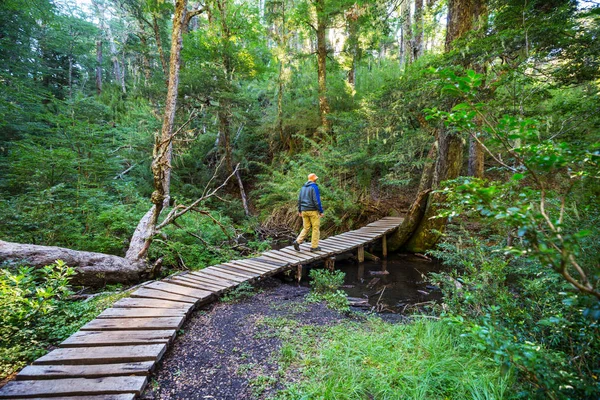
x=420, y=360
x=513, y=287
x=527, y=319
x=35, y=313
x=325, y=286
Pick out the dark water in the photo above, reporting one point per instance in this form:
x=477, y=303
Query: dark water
x=404, y=286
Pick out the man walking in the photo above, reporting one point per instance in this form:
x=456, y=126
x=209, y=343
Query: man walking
x=311, y=210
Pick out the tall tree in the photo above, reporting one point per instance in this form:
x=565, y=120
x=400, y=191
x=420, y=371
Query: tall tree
x=421, y=229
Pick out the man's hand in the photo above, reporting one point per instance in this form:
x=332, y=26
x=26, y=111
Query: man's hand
x=299, y=214
x=322, y=214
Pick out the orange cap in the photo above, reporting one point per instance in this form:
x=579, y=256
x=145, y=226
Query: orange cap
x=312, y=177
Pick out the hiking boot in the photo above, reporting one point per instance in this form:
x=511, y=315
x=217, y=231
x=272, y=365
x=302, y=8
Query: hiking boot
x=313, y=249
x=296, y=246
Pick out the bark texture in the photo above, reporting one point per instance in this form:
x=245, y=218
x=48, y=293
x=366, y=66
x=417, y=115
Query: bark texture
x=448, y=166
x=322, y=64
x=476, y=159
x=163, y=147
x=463, y=16
x=93, y=269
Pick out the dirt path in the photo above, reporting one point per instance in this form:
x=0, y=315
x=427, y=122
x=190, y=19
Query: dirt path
x=230, y=350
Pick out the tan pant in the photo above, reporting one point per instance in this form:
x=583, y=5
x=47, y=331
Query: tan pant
x=310, y=219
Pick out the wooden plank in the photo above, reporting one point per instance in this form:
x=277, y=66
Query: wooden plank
x=348, y=241
x=141, y=313
x=246, y=268
x=73, y=387
x=102, y=355
x=232, y=270
x=282, y=256
x=160, y=295
x=341, y=241
x=212, y=280
x=151, y=303
x=133, y=324
x=330, y=243
x=278, y=259
x=118, y=338
x=298, y=254
x=255, y=265
x=227, y=270
x=37, y=372
x=364, y=236
x=330, y=247
x=264, y=267
x=317, y=254
x=197, y=284
x=178, y=289
x=194, y=276
x=224, y=275
x=349, y=237
x=270, y=261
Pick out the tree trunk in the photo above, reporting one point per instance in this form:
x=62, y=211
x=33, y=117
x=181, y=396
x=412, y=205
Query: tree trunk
x=322, y=64
x=114, y=56
x=406, y=33
x=462, y=17
x=353, y=44
x=93, y=269
x=225, y=136
x=158, y=40
x=145, y=52
x=282, y=137
x=448, y=166
x=242, y=193
x=418, y=34
x=476, y=159
x=163, y=147
x=98, y=66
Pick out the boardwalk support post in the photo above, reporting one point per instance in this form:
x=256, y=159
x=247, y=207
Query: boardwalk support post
x=361, y=254
x=330, y=263
x=299, y=273
x=384, y=245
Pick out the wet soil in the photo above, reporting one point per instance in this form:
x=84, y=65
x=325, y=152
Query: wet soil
x=226, y=352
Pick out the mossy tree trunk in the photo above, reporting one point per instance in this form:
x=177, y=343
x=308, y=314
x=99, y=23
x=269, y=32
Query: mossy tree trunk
x=421, y=229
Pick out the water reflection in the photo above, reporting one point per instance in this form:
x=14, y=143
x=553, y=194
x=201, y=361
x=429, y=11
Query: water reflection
x=391, y=284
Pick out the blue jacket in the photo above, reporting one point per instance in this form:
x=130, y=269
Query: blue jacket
x=310, y=198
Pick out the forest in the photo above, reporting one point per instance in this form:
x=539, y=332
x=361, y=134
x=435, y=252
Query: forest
x=139, y=138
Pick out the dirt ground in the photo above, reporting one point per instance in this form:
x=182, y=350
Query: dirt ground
x=226, y=351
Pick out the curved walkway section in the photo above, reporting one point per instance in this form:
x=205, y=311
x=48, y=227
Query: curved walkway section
x=112, y=356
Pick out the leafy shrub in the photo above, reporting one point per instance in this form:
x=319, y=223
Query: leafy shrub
x=325, y=286
x=35, y=313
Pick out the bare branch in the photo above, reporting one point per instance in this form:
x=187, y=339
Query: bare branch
x=174, y=214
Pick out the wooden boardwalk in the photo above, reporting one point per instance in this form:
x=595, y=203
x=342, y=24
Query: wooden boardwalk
x=112, y=356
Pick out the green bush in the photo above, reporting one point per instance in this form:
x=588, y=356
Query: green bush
x=35, y=313
x=528, y=320
x=325, y=285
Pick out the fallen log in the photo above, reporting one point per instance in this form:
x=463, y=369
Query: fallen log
x=93, y=269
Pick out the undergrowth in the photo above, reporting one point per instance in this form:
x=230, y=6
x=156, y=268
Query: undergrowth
x=36, y=313
x=378, y=360
x=326, y=286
